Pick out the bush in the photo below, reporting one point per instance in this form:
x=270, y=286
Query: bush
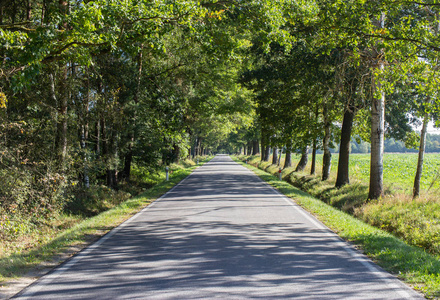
x=94, y=200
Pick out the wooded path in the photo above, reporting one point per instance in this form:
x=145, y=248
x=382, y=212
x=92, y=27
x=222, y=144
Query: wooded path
x=221, y=233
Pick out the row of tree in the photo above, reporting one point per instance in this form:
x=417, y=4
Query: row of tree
x=89, y=88
x=370, y=65
x=391, y=145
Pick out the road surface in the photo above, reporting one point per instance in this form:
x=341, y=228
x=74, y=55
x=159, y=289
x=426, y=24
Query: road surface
x=221, y=233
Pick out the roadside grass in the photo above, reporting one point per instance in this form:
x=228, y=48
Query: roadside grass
x=50, y=247
x=412, y=264
x=416, y=221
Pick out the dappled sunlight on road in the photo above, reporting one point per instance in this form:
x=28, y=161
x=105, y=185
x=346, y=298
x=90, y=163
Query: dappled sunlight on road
x=222, y=233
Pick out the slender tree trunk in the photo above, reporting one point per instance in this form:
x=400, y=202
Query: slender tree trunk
x=132, y=135
x=199, y=146
x=61, y=127
x=263, y=144
x=416, y=189
x=83, y=147
x=98, y=138
x=108, y=154
x=61, y=120
x=43, y=12
x=288, y=159
x=313, y=167
x=377, y=131
x=103, y=146
x=28, y=10
x=279, y=157
x=343, y=177
x=275, y=156
x=377, y=146
x=304, y=159
x=112, y=155
x=85, y=134
x=327, y=157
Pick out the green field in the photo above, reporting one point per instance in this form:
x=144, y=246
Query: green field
x=399, y=170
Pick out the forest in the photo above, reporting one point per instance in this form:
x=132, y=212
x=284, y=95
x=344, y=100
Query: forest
x=94, y=93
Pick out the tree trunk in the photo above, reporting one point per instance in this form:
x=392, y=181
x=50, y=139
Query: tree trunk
x=377, y=130
x=304, y=159
x=98, y=137
x=128, y=159
x=343, y=177
x=288, y=159
x=416, y=189
x=103, y=135
x=255, y=147
x=61, y=119
x=111, y=158
x=275, y=156
x=83, y=147
x=264, y=145
x=267, y=153
x=327, y=157
x=279, y=157
x=313, y=167
x=85, y=134
x=28, y=10
x=132, y=135
x=377, y=146
x=111, y=178
x=199, y=147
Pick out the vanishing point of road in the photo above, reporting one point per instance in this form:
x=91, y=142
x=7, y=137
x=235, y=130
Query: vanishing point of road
x=221, y=233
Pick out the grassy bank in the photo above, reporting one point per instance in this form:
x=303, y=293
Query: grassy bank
x=67, y=233
x=412, y=264
x=415, y=221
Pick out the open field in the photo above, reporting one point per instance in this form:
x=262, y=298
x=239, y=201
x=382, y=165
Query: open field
x=399, y=170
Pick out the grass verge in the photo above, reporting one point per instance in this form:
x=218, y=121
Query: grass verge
x=412, y=264
x=53, y=249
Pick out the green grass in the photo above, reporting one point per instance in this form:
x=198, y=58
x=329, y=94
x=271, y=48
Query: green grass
x=51, y=244
x=412, y=264
x=416, y=221
x=398, y=174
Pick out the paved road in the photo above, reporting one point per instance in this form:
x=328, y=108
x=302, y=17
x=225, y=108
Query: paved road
x=221, y=233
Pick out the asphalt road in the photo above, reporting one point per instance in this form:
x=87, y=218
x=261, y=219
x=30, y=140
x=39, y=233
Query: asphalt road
x=221, y=233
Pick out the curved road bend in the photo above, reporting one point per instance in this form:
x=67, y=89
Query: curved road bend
x=221, y=233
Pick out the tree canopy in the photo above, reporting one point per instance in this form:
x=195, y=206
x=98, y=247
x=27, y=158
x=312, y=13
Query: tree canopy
x=90, y=88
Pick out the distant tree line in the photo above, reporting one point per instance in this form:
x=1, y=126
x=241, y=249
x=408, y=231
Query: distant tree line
x=395, y=146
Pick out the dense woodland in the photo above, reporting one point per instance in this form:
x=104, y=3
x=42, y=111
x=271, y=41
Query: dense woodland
x=91, y=90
